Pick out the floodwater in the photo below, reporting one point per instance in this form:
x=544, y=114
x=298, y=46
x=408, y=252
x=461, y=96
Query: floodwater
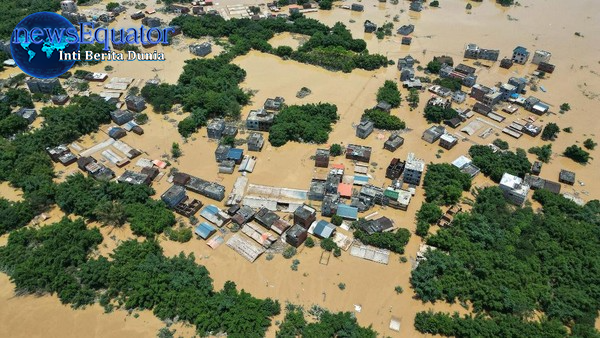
x=547, y=25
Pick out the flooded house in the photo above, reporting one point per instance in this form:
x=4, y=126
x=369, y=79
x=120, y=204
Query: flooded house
x=296, y=235
x=364, y=129
x=433, y=133
x=201, y=49
x=514, y=189
x=215, y=129
x=393, y=142
x=413, y=170
x=358, y=153
x=520, y=55
x=255, y=141
x=394, y=169
x=304, y=216
x=322, y=158
x=260, y=120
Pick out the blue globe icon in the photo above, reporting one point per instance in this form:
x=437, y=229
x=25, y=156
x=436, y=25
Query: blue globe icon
x=42, y=60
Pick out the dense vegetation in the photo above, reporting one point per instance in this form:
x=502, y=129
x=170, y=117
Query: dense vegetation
x=138, y=276
x=428, y=214
x=11, y=12
x=444, y=183
x=327, y=324
x=434, y=66
x=437, y=114
x=26, y=165
x=543, y=153
x=496, y=164
x=511, y=263
x=501, y=144
x=383, y=120
x=449, y=82
x=309, y=123
x=550, y=131
x=589, y=144
x=393, y=241
x=577, y=154
x=389, y=93
x=331, y=48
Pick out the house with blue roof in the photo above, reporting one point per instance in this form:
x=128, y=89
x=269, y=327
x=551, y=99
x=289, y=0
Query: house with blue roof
x=236, y=155
x=204, y=230
x=324, y=229
x=347, y=212
x=520, y=55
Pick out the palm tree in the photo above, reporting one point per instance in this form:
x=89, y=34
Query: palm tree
x=111, y=213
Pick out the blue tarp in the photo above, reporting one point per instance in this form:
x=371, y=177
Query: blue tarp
x=204, y=230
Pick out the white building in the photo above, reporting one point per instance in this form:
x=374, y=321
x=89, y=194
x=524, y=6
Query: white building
x=514, y=189
x=541, y=56
x=68, y=6
x=413, y=170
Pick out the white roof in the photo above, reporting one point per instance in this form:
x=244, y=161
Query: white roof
x=461, y=161
x=448, y=138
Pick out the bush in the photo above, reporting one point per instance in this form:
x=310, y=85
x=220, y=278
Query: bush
x=383, y=120
x=589, y=144
x=577, y=154
x=543, y=153
x=550, y=131
x=328, y=244
x=389, y=93
x=436, y=114
x=434, y=66
x=565, y=107
x=342, y=286
x=284, y=51
x=141, y=118
x=394, y=241
x=335, y=150
x=181, y=235
x=309, y=123
x=337, y=252
x=289, y=252
x=501, y=144
x=175, y=150
x=336, y=220
x=325, y=4
x=450, y=83
x=309, y=243
x=398, y=289
x=434, y=3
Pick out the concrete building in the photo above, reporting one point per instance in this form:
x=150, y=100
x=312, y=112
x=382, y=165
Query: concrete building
x=507, y=90
x=358, y=153
x=357, y=7
x=520, y=55
x=153, y=22
x=459, y=96
x=364, y=129
x=221, y=152
x=121, y=117
x=448, y=141
x=260, y=120
x=406, y=29
x=43, y=86
x=215, y=129
x=393, y=142
x=173, y=196
x=478, y=92
x=201, y=49
x=28, y=114
x=255, y=141
x=135, y=103
x=394, y=169
x=370, y=27
x=514, y=189
x=413, y=170
x=322, y=158
x=68, y=6
x=305, y=216
x=296, y=235
x=540, y=56
x=416, y=5
x=406, y=62
x=274, y=105
x=433, y=134
x=567, y=177
x=519, y=83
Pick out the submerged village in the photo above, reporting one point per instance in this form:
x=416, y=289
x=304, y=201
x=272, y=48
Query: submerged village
x=334, y=166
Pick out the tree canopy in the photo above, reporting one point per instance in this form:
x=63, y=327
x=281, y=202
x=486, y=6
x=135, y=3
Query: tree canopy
x=437, y=114
x=509, y=263
x=444, y=183
x=496, y=164
x=389, y=93
x=309, y=123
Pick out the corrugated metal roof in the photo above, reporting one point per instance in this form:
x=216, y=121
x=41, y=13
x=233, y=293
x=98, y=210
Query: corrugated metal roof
x=347, y=211
x=204, y=230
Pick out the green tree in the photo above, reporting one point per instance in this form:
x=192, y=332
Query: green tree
x=289, y=252
x=309, y=242
x=589, y=144
x=175, y=150
x=335, y=150
x=436, y=114
x=393, y=241
x=434, y=66
x=496, y=164
x=111, y=6
x=228, y=140
x=389, y=93
x=413, y=98
x=325, y=4
x=306, y=123
x=384, y=120
x=543, y=153
x=501, y=144
x=110, y=213
x=328, y=244
x=550, y=131
x=434, y=3
x=337, y=220
x=577, y=154
x=565, y=107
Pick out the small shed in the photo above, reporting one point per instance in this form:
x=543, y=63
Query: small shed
x=324, y=229
x=204, y=230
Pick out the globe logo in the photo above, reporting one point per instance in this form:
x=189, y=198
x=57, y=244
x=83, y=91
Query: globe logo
x=37, y=41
